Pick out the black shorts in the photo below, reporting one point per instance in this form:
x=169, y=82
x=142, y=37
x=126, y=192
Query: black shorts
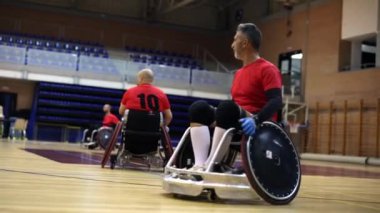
x=226, y=115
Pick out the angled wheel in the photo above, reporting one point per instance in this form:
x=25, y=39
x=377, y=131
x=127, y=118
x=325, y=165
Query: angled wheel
x=113, y=160
x=185, y=158
x=111, y=144
x=166, y=144
x=104, y=137
x=230, y=158
x=271, y=164
x=211, y=195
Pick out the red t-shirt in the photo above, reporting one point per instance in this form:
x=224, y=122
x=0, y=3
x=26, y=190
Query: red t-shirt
x=110, y=120
x=252, y=81
x=145, y=97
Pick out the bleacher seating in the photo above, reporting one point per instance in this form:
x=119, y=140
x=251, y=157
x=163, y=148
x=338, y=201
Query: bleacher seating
x=19, y=48
x=68, y=55
x=80, y=48
x=152, y=56
x=52, y=44
x=61, y=105
x=78, y=63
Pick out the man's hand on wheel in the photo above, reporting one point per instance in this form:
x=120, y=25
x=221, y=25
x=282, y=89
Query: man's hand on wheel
x=248, y=125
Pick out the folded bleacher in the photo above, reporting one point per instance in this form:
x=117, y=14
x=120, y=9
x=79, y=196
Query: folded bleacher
x=63, y=107
x=65, y=110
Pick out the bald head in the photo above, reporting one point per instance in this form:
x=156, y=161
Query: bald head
x=145, y=76
x=107, y=108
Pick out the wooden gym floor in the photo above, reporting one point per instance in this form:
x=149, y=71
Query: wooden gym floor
x=59, y=177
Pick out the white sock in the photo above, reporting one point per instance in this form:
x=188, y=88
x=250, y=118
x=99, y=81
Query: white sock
x=200, y=139
x=218, y=134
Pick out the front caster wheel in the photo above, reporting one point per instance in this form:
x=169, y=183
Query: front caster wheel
x=113, y=159
x=211, y=195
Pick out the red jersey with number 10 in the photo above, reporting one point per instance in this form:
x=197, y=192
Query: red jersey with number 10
x=145, y=97
x=252, y=81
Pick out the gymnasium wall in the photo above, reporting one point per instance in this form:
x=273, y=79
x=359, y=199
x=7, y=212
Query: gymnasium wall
x=113, y=33
x=367, y=24
x=324, y=52
x=24, y=90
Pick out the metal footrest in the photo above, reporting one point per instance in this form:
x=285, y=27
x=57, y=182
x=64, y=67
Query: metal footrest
x=193, y=183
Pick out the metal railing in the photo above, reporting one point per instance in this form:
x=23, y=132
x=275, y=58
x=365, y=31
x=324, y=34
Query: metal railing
x=62, y=64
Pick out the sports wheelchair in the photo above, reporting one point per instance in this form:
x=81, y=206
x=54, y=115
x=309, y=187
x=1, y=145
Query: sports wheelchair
x=270, y=167
x=144, y=141
x=99, y=137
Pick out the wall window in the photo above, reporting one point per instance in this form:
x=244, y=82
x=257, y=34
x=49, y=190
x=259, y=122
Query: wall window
x=358, y=54
x=368, y=48
x=290, y=65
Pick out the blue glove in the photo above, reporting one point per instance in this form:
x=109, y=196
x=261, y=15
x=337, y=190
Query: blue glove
x=248, y=125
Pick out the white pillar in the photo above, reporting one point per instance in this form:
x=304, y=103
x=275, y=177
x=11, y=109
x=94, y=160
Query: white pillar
x=356, y=54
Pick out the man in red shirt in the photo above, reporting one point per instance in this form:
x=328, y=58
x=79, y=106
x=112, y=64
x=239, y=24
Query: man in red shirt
x=109, y=119
x=109, y=122
x=146, y=97
x=256, y=97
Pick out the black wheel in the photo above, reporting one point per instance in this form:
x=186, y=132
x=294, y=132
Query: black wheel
x=166, y=150
x=185, y=157
x=178, y=196
x=104, y=137
x=230, y=158
x=113, y=160
x=211, y=195
x=271, y=164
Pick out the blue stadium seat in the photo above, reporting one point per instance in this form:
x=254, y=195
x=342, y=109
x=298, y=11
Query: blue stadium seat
x=50, y=43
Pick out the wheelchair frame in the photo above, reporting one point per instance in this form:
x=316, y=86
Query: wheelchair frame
x=94, y=140
x=222, y=185
x=180, y=181
x=122, y=156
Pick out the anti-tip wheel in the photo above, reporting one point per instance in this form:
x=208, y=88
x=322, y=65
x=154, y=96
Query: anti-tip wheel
x=211, y=195
x=113, y=159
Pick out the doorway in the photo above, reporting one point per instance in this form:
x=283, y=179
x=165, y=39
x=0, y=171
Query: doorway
x=290, y=65
x=9, y=102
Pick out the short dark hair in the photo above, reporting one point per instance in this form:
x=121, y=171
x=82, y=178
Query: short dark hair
x=252, y=32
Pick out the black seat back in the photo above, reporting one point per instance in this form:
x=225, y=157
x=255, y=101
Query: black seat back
x=142, y=131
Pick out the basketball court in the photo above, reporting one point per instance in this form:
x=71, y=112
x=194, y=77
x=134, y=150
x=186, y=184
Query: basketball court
x=190, y=106
x=49, y=177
